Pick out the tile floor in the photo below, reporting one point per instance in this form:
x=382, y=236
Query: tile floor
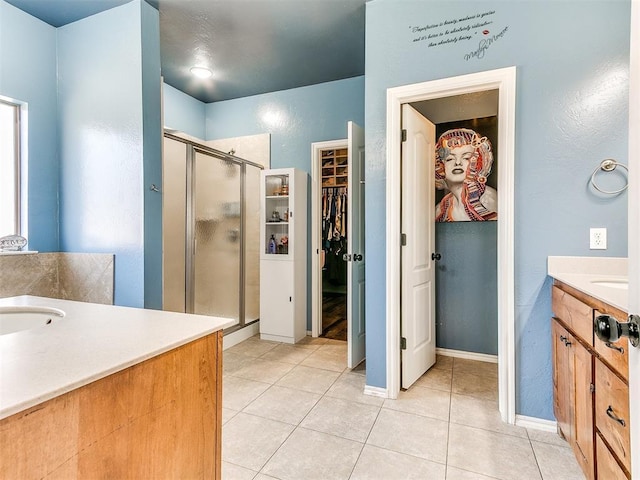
x=296, y=413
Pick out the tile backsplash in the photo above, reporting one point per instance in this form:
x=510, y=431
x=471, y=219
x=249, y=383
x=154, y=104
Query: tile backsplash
x=86, y=277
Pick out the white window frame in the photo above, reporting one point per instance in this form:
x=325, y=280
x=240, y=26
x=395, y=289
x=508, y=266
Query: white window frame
x=19, y=136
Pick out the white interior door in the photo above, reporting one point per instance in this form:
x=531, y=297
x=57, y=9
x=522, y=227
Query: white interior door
x=634, y=232
x=417, y=327
x=355, y=247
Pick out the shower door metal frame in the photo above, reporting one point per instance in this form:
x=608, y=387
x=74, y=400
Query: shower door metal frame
x=190, y=239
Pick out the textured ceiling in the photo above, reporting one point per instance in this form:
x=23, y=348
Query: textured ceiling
x=252, y=46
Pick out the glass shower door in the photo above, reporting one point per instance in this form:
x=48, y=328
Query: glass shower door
x=252, y=244
x=217, y=244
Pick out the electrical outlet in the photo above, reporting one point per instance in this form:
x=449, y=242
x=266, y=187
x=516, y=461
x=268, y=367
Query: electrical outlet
x=598, y=238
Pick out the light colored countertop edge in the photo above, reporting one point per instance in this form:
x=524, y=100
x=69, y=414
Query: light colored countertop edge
x=92, y=342
x=582, y=272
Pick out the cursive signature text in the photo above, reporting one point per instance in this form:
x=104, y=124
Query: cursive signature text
x=484, y=45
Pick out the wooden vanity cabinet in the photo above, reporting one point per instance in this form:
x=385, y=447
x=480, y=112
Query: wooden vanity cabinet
x=158, y=419
x=591, y=393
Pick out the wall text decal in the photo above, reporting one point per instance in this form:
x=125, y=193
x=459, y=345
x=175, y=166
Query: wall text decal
x=465, y=29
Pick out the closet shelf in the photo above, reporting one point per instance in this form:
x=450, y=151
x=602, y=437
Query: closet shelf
x=334, y=168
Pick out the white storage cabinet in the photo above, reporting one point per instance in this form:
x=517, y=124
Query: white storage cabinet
x=283, y=257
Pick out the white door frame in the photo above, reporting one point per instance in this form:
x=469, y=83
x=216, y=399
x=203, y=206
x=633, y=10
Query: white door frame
x=503, y=80
x=316, y=234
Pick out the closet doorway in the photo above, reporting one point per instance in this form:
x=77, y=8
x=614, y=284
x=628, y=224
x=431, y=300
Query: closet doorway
x=333, y=241
x=337, y=265
x=504, y=81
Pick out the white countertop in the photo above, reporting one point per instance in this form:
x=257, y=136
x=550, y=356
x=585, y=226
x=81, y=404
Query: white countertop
x=588, y=273
x=91, y=342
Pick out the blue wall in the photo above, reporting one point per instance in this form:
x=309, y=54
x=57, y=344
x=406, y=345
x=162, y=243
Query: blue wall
x=466, y=286
x=572, y=96
x=295, y=119
x=28, y=74
x=103, y=84
x=182, y=112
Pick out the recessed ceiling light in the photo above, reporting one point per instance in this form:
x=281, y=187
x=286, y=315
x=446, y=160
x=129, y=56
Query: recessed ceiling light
x=201, y=72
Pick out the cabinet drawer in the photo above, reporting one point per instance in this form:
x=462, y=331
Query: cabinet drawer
x=574, y=313
x=617, y=354
x=612, y=412
x=608, y=468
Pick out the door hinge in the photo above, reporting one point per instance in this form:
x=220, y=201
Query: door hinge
x=592, y=388
x=404, y=135
x=403, y=239
x=403, y=343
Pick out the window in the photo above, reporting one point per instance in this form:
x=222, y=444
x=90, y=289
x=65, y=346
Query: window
x=9, y=168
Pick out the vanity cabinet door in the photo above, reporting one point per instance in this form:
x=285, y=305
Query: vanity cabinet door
x=583, y=447
x=573, y=396
x=563, y=393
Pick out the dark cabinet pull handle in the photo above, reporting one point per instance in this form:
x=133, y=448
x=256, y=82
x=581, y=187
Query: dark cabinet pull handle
x=613, y=347
x=436, y=256
x=611, y=415
x=565, y=340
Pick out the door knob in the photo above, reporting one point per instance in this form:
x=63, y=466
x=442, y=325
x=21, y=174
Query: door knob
x=436, y=256
x=346, y=257
x=357, y=257
x=608, y=329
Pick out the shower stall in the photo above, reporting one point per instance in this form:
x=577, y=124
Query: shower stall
x=211, y=225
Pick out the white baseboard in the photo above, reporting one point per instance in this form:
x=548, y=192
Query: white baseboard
x=375, y=391
x=536, y=423
x=241, y=335
x=480, y=357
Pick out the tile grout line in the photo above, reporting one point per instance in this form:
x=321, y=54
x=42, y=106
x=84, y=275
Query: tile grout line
x=296, y=426
x=350, y=400
x=365, y=442
x=535, y=456
x=446, y=455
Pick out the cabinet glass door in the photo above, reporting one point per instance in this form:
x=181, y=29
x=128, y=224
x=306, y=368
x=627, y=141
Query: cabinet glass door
x=276, y=241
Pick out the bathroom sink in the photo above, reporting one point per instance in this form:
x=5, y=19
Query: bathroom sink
x=15, y=319
x=612, y=283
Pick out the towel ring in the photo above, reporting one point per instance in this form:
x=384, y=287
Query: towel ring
x=608, y=165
